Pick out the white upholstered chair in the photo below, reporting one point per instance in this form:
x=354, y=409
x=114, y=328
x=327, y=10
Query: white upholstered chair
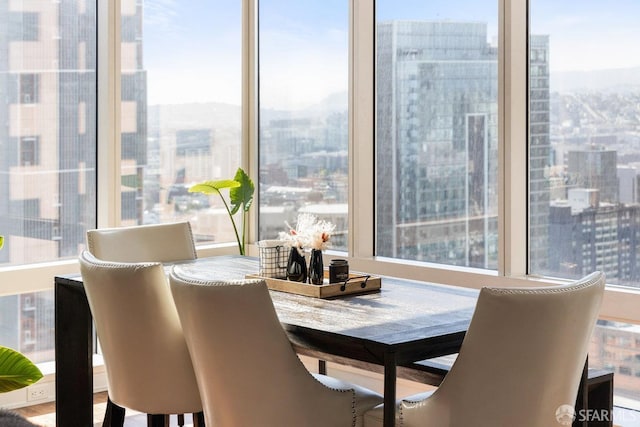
x=165, y=243
x=146, y=358
x=248, y=373
x=156, y=242
x=520, y=363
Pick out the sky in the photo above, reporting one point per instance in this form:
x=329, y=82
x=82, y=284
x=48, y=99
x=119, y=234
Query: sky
x=589, y=34
x=192, y=49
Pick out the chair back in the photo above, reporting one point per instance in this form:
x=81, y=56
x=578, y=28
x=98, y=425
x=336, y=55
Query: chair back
x=145, y=354
x=141, y=243
x=521, y=360
x=248, y=373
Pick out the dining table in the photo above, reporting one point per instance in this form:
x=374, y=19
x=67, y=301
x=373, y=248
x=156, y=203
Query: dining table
x=403, y=322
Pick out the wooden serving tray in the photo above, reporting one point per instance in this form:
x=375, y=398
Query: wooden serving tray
x=356, y=284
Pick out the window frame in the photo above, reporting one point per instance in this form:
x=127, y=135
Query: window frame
x=512, y=110
x=619, y=303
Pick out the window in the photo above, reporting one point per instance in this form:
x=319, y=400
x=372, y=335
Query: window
x=29, y=151
x=29, y=93
x=583, y=155
x=180, y=111
x=303, y=110
x=431, y=113
x=47, y=161
x=437, y=135
x=53, y=155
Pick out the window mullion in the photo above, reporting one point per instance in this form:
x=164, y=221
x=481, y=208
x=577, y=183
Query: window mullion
x=249, y=149
x=108, y=123
x=361, y=130
x=513, y=138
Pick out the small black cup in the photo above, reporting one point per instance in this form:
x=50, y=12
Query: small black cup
x=338, y=270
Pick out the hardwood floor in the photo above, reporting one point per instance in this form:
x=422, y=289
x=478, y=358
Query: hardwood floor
x=44, y=415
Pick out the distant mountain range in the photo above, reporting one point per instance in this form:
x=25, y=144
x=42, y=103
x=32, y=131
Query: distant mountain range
x=189, y=115
x=615, y=79
x=606, y=80
x=194, y=115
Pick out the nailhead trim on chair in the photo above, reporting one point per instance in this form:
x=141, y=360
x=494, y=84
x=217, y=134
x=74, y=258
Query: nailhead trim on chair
x=353, y=410
x=189, y=236
x=236, y=282
x=555, y=290
x=342, y=390
x=127, y=265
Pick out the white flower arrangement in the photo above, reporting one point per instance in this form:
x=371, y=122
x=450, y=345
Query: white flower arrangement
x=309, y=232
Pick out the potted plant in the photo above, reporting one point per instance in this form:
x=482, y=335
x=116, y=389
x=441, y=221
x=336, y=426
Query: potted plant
x=16, y=372
x=241, y=190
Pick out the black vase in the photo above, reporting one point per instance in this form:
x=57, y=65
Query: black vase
x=316, y=268
x=296, y=266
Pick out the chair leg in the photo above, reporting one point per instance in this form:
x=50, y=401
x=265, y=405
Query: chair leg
x=181, y=420
x=198, y=419
x=157, y=420
x=113, y=415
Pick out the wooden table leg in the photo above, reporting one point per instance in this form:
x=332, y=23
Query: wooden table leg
x=74, y=350
x=389, y=415
x=582, y=403
x=198, y=419
x=158, y=420
x=114, y=414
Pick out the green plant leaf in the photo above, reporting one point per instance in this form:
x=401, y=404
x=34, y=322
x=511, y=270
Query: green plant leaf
x=241, y=190
x=1, y=241
x=16, y=371
x=213, y=187
x=241, y=196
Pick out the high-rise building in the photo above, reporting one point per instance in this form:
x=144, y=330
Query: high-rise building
x=48, y=119
x=437, y=159
x=48, y=73
x=48, y=140
x=595, y=168
x=539, y=152
x=629, y=181
x=586, y=235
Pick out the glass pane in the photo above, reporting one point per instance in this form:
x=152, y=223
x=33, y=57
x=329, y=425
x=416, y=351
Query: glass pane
x=27, y=324
x=47, y=129
x=304, y=48
x=584, y=158
x=584, y=153
x=437, y=131
x=181, y=92
x=47, y=152
x=616, y=347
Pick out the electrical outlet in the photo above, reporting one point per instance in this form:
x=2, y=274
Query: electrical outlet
x=37, y=392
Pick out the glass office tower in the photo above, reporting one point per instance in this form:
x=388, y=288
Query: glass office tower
x=437, y=143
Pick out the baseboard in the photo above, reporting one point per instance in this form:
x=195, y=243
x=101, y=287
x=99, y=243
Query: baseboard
x=44, y=391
